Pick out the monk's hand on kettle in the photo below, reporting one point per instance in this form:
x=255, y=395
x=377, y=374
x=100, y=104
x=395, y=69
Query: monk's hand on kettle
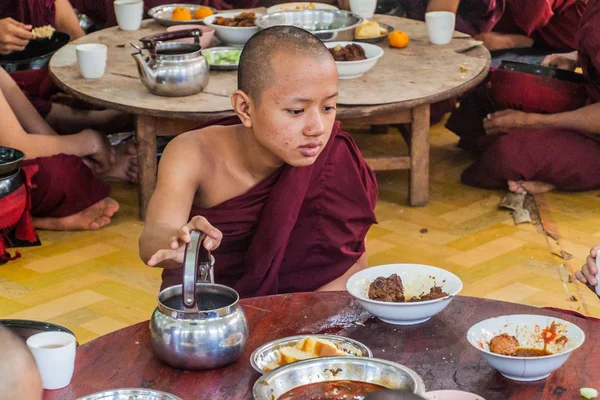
x=177, y=242
x=14, y=36
x=568, y=61
x=505, y=120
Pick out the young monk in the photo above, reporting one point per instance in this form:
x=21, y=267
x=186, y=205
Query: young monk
x=19, y=376
x=284, y=196
x=589, y=270
x=506, y=24
x=536, y=153
x=65, y=194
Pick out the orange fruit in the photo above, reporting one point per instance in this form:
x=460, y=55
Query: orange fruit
x=398, y=39
x=181, y=14
x=202, y=12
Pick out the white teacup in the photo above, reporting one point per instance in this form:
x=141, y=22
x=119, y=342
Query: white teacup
x=364, y=8
x=54, y=354
x=129, y=14
x=440, y=26
x=91, y=59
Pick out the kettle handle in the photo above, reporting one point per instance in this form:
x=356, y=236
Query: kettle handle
x=195, y=254
x=150, y=42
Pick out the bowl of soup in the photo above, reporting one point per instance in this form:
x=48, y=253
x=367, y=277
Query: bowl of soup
x=525, y=347
x=336, y=377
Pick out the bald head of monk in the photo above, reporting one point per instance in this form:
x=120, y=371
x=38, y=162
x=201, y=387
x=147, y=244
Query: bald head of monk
x=19, y=376
x=287, y=94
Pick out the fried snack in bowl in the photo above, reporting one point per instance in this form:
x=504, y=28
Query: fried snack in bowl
x=369, y=29
x=43, y=32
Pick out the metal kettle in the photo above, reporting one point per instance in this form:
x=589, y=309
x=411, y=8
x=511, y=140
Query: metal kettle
x=200, y=324
x=172, y=69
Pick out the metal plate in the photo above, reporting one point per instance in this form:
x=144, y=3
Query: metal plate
x=10, y=159
x=130, y=394
x=267, y=353
x=36, y=55
x=25, y=328
x=162, y=14
x=302, y=5
x=217, y=50
x=380, y=372
x=376, y=39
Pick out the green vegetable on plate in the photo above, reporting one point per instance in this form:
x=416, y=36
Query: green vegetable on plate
x=588, y=393
x=223, y=57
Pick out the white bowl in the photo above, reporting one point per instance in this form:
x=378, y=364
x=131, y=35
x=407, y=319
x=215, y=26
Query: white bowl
x=304, y=5
x=451, y=395
x=355, y=69
x=234, y=35
x=416, y=279
x=527, y=329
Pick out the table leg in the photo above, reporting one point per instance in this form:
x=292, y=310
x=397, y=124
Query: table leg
x=419, y=156
x=146, y=129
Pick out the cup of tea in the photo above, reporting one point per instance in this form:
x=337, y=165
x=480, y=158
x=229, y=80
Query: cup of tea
x=91, y=59
x=364, y=8
x=440, y=26
x=129, y=14
x=54, y=354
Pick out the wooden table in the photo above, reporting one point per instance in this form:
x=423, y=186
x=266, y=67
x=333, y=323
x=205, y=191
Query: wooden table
x=399, y=89
x=437, y=350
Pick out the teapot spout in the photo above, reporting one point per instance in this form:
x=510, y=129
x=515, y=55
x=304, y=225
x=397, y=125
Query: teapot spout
x=144, y=71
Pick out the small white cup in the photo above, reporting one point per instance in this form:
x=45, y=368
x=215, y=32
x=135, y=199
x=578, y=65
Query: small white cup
x=91, y=59
x=364, y=8
x=129, y=14
x=440, y=26
x=54, y=354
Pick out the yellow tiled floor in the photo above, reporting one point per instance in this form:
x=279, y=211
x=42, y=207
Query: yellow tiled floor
x=94, y=282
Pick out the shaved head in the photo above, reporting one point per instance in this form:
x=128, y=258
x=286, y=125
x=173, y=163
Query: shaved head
x=257, y=68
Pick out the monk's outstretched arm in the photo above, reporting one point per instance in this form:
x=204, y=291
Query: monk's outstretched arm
x=585, y=119
x=443, y=5
x=66, y=20
x=340, y=283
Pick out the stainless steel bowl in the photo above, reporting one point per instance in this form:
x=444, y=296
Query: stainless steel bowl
x=325, y=24
x=130, y=394
x=162, y=14
x=377, y=39
x=372, y=370
x=267, y=353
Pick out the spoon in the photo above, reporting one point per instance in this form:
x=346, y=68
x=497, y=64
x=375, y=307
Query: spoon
x=598, y=274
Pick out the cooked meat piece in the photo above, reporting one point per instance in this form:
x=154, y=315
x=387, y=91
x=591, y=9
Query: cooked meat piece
x=387, y=289
x=504, y=344
x=243, y=19
x=350, y=52
x=434, y=293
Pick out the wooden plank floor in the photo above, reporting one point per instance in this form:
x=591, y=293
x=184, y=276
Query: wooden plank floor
x=94, y=282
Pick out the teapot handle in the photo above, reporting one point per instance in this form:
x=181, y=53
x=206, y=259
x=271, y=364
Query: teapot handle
x=149, y=42
x=195, y=255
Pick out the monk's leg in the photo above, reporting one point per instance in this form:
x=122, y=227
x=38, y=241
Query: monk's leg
x=67, y=119
x=65, y=195
x=537, y=161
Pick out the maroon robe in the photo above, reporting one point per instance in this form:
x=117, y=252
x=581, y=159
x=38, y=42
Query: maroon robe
x=298, y=229
x=551, y=23
x=567, y=159
x=102, y=11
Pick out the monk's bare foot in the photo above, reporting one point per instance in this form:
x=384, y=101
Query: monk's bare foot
x=125, y=167
x=94, y=217
x=516, y=187
x=536, y=187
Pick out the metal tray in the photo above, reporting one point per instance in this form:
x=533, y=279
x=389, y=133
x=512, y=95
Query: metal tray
x=268, y=352
x=10, y=159
x=379, y=38
x=130, y=394
x=535, y=69
x=162, y=14
x=221, y=67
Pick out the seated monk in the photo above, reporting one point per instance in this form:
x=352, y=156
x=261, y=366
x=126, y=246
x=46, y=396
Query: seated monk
x=537, y=153
x=284, y=195
x=64, y=192
x=507, y=24
x=19, y=376
x=17, y=18
x=588, y=272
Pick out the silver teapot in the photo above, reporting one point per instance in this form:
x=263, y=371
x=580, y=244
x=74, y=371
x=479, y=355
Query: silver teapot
x=172, y=69
x=200, y=324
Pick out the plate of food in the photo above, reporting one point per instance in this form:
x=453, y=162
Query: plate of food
x=234, y=28
x=404, y=294
x=372, y=32
x=305, y=5
x=278, y=353
x=354, y=59
x=223, y=58
x=179, y=14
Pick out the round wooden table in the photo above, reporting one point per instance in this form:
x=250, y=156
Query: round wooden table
x=437, y=350
x=399, y=89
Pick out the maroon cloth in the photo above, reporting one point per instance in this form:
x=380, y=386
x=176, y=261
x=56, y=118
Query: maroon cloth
x=298, y=229
x=569, y=160
x=102, y=11
x=63, y=186
x=551, y=23
x=33, y=12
